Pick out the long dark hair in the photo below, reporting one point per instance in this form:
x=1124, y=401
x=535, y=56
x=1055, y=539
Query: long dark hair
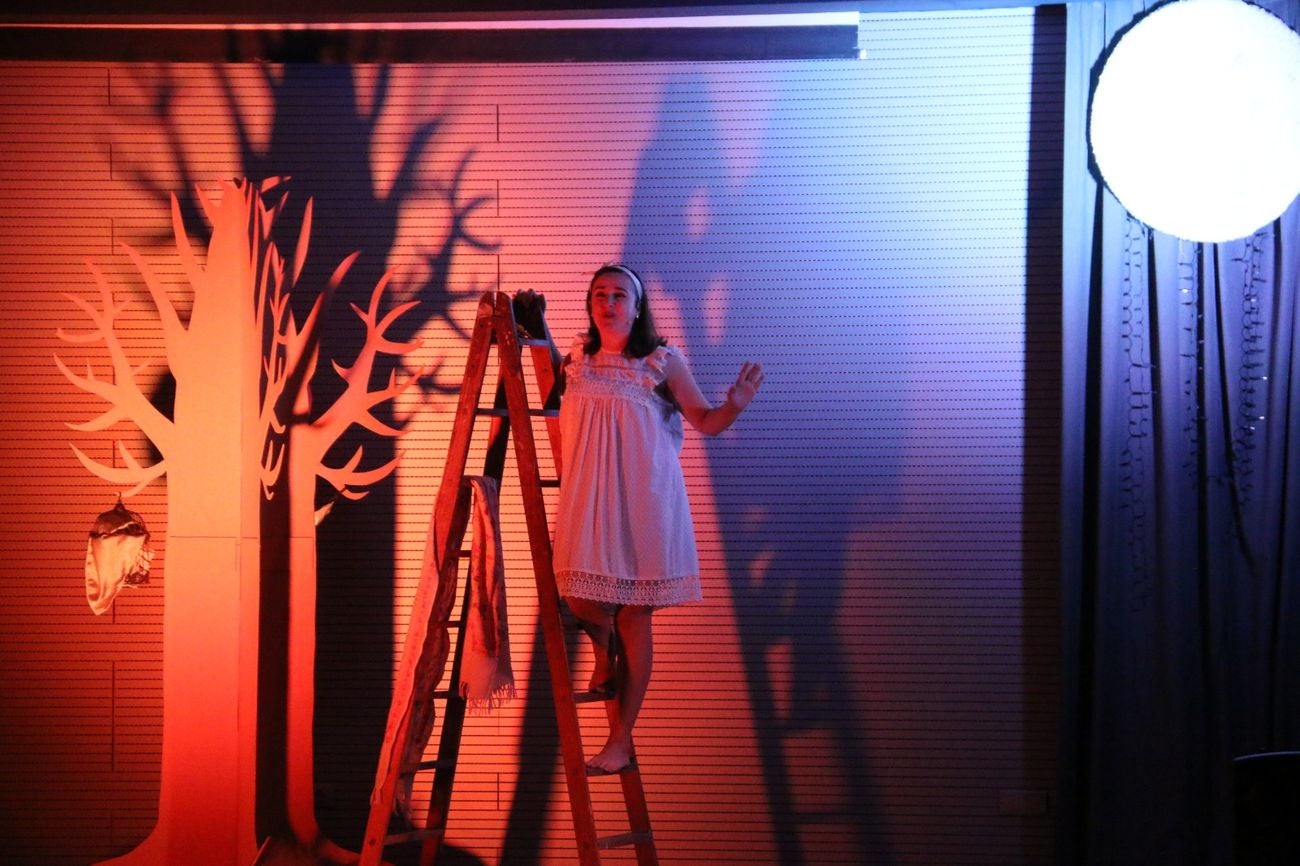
x=644, y=338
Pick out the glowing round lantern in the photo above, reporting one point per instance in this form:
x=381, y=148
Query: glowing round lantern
x=1195, y=120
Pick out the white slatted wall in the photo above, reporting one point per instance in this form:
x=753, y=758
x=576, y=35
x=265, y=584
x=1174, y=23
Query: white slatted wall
x=872, y=675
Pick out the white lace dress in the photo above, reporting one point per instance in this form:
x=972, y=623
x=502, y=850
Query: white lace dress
x=623, y=525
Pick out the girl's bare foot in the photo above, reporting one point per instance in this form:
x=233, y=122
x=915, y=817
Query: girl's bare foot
x=616, y=755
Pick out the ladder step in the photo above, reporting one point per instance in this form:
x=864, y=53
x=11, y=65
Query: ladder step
x=502, y=412
x=592, y=696
x=626, y=768
x=622, y=840
x=419, y=766
x=550, y=482
x=413, y=835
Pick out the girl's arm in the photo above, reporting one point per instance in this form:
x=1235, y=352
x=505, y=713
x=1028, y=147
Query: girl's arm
x=561, y=382
x=702, y=415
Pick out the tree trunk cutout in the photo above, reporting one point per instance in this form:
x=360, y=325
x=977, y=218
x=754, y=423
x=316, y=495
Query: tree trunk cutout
x=241, y=454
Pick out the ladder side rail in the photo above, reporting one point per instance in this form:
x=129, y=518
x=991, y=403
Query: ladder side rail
x=529, y=308
x=462, y=430
x=548, y=598
x=415, y=685
x=432, y=603
x=450, y=523
x=547, y=362
x=453, y=721
x=498, y=443
x=453, y=726
x=421, y=667
x=546, y=367
x=638, y=811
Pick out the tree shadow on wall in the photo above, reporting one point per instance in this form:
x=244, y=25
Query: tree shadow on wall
x=321, y=138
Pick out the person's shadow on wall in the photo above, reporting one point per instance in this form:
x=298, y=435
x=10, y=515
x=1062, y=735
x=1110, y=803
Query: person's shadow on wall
x=685, y=222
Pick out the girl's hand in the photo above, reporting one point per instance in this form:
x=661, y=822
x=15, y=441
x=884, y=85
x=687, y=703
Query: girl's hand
x=747, y=384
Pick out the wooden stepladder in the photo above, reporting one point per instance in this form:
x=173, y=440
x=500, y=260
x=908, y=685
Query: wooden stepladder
x=427, y=642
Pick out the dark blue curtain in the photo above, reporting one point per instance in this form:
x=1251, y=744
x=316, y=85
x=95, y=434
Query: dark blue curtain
x=1181, y=484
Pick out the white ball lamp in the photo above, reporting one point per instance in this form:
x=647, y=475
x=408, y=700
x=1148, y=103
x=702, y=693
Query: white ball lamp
x=1195, y=121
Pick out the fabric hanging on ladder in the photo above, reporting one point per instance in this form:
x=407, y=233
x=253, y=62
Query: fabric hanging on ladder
x=487, y=679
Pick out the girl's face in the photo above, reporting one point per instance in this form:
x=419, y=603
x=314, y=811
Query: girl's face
x=612, y=304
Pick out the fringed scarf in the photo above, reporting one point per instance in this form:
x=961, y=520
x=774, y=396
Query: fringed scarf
x=486, y=678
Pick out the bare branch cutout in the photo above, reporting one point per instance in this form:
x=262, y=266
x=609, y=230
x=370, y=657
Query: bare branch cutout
x=242, y=252
x=357, y=403
x=123, y=393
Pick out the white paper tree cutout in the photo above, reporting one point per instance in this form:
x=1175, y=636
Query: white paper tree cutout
x=242, y=432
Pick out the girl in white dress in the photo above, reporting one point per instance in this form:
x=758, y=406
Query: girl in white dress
x=624, y=543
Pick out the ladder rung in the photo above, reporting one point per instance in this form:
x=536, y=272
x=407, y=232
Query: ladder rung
x=592, y=696
x=419, y=766
x=534, y=342
x=415, y=835
x=502, y=412
x=630, y=767
x=550, y=482
x=622, y=840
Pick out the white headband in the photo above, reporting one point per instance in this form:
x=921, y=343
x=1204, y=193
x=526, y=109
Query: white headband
x=636, y=281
